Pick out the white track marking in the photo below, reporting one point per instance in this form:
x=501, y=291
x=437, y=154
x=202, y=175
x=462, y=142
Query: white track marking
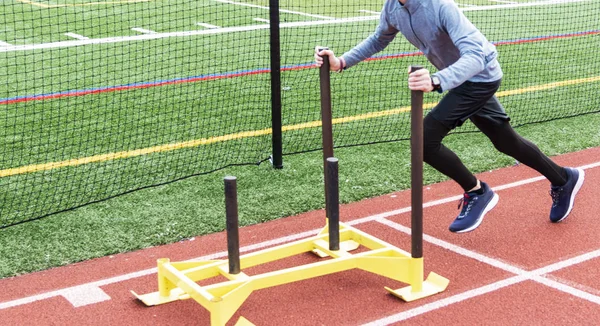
x=77, y=36
x=329, y=20
x=568, y=289
x=84, y=295
x=143, y=30
x=447, y=301
x=574, y=284
x=590, y=166
x=208, y=25
x=280, y=10
x=454, y=248
x=70, y=292
x=519, y=183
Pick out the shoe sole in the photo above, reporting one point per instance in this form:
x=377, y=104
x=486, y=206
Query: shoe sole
x=488, y=208
x=575, y=191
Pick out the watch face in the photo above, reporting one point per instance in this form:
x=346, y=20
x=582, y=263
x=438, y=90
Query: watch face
x=435, y=80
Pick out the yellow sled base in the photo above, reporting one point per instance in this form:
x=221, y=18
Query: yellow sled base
x=177, y=280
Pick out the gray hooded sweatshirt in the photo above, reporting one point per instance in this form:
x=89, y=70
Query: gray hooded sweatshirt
x=442, y=32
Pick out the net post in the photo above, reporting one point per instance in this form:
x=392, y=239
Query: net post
x=326, y=120
x=416, y=180
x=275, y=45
x=333, y=204
x=231, y=212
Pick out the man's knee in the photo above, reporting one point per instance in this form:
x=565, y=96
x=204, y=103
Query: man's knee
x=433, y=133
x=502, y=135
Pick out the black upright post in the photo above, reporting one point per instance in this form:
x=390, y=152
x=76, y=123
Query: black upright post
x=333, y=205
x=416, y=180
x=326, y=119
x=276, y=123
x=231, y=212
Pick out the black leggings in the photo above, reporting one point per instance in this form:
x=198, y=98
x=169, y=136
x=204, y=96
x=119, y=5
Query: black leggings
x=504, y=138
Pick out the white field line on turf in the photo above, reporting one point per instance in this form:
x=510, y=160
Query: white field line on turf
x=143, y=30
x=118, y=39
x=262, y=20
x=4, y=44
x=503, y=1
x=77, y=36
x=522, y=5
x=208, y=25
x=67, y=292
x=280, y=10
x=370, y=12
x=223, y=30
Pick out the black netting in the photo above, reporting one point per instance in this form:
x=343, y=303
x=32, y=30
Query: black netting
x=100, y=98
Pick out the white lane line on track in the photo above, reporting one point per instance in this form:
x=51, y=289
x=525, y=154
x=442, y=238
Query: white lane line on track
x=521, y=275
x=525, y=276
x=447, y=301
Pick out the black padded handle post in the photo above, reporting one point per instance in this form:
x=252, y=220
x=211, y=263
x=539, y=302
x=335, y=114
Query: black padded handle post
x=416, y=180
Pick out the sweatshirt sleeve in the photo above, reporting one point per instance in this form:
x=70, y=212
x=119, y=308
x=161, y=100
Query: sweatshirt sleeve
x=376, y=42
x=470, y=43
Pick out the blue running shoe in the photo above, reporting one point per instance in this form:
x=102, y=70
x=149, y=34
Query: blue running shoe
x=563, y=196
x=474, y=208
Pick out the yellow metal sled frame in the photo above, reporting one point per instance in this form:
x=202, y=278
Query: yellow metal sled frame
x=177, y=281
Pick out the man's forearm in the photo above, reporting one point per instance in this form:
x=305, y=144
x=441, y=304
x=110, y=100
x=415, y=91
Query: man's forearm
x=363, y=51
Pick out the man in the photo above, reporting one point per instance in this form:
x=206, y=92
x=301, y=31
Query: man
x=468, y=69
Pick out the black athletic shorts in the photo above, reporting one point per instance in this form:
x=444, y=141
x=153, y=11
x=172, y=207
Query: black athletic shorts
x=468, y=100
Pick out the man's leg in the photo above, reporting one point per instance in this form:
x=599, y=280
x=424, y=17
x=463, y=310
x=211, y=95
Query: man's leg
x=507, y=141
x=566, y=182
x=441, y=158
x=457, y=106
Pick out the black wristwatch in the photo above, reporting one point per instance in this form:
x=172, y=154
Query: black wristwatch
x=436, y=83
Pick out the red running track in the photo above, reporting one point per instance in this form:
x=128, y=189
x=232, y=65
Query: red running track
x=517, y=268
